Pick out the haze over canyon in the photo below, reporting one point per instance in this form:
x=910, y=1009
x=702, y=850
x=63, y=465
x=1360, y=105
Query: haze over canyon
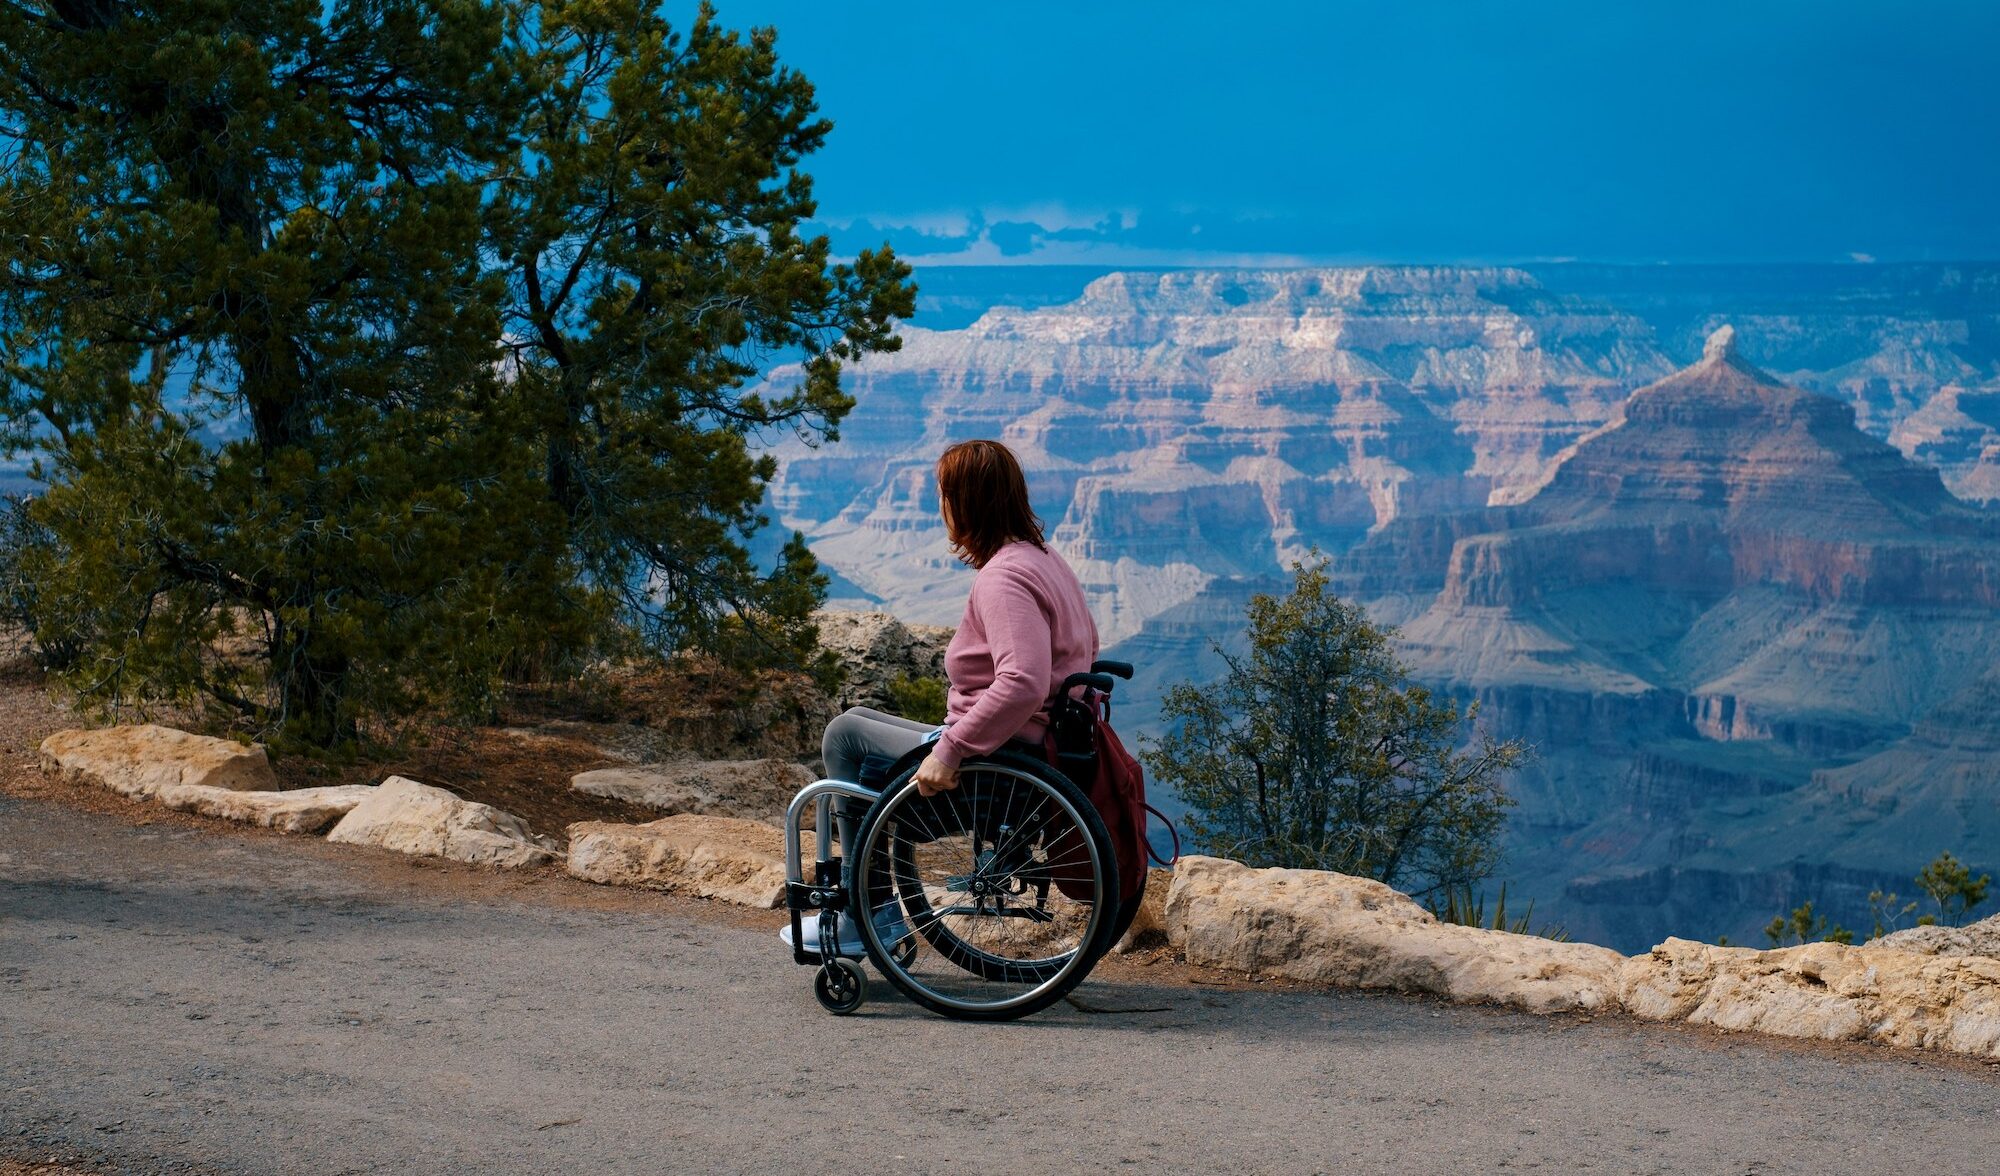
x=1714, y=539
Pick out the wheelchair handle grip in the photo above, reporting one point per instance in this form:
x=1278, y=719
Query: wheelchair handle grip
x=1122, y=669
x=1101, y=682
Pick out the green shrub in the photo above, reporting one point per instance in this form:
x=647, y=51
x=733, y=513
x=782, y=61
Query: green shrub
x=1462, y=906
x=1803, y=926
x=1316, y=750
x=1887, y=912
x=1952, y=887
x=922, y=699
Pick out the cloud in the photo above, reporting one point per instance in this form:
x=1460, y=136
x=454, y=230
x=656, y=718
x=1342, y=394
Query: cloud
x=931, y=224
x=1056, y=234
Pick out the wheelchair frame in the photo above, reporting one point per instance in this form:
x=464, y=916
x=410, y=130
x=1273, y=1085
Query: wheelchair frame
x=840, y=984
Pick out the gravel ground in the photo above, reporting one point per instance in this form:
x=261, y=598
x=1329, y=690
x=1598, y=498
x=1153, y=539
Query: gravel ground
x=178, y=997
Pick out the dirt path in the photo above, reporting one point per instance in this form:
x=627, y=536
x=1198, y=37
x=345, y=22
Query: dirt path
x=176, y=997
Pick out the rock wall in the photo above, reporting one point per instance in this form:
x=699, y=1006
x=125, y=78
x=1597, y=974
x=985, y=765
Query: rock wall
x=1333, y=929
x=1921, y=990
x=409, y=817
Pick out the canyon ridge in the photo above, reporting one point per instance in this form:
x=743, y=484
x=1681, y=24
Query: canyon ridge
x=1713, y=539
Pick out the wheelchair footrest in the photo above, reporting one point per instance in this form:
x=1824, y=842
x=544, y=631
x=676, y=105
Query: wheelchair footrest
x=825, y=890
x=813, y=896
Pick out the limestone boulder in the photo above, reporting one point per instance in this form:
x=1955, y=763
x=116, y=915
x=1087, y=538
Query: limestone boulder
x=1827, y=991
x=1328, y=928
x=756, y=790
x=140, y=759
x=409, y=817
x=703, y=856
x=1975, y=939
x=301, y=810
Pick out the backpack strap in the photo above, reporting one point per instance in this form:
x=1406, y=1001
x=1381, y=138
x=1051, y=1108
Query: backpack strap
x=1171, y=831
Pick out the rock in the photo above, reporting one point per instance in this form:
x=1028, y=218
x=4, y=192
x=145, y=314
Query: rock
x=1720, y=346
x=1149, y=926
x=1670, y=982
x=139, y=760
x=1827, y=991
x=301, y=810
x=414, y=818
x=723, y=858
x=1958, y=431
x=1334, y=929
x=757, y=790
x=1974, y=939
x=876, y=648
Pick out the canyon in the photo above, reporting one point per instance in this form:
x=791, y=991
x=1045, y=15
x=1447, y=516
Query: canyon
x=1746, y=613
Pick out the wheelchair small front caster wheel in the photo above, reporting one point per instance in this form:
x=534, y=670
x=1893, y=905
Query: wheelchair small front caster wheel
x=840, y=986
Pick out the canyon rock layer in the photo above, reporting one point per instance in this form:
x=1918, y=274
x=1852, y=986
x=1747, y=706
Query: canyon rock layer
x=1748, y=642
x=1742, y=614
x=1184, y=427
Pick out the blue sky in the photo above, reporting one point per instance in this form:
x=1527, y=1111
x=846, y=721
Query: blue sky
x=1247, y=133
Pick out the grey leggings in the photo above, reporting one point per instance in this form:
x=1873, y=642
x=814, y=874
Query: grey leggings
x=859, y=732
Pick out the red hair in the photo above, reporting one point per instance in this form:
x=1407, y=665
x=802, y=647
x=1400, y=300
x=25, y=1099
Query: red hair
x=985, y=500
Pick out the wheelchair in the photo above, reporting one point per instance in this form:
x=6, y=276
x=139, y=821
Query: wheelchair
x=987, y=902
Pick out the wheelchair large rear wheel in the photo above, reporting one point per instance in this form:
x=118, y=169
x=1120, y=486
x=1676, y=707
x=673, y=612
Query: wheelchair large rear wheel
x=1007, y=881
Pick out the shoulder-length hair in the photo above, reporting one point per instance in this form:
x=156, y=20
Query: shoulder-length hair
x=985, y=500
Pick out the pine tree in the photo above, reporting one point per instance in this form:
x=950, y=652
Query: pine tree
x=1950, y=885
x=372, y=347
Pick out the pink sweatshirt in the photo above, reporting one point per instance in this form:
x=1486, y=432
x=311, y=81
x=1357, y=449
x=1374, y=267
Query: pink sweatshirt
x=1026, y=628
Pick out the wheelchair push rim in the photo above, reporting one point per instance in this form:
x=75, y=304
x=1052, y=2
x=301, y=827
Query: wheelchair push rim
x=1005, y=884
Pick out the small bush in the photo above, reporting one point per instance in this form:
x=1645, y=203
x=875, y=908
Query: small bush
x=1952, y=887
x=1803, y=926
x=1460, y=905
x=1887, y=912
x=921, y=699
x=26, y=549
x=1318, y=750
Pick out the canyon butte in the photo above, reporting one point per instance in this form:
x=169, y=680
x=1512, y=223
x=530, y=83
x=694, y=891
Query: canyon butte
x=1747, y=611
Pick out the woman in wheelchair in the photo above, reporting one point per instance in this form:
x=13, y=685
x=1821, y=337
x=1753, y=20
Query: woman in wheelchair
x=976, y=848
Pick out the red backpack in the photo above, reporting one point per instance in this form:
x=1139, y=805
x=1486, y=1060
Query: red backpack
x=1081, y=744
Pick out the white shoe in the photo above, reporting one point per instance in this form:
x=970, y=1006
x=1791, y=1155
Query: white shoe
x=888, y=920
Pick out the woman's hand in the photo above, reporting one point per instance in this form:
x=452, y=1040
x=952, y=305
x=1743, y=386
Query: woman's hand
x=934, y=777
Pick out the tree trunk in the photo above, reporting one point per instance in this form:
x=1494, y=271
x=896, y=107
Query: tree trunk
x=312, y=692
